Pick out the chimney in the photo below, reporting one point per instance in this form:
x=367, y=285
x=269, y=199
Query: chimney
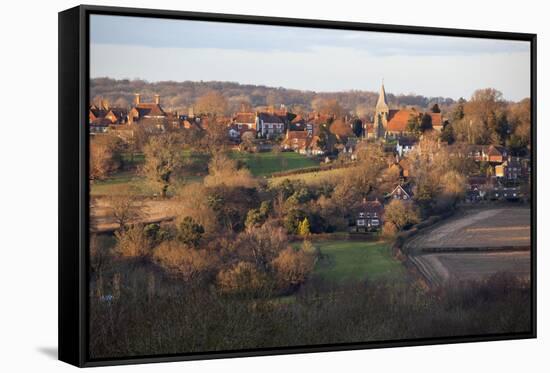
x=104, y=105
x=137, y=98
x=157, y=99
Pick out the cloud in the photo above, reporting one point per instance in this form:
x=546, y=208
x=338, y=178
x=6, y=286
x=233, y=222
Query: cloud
x=166, y=33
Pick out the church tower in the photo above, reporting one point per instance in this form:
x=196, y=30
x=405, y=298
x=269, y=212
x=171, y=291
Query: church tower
x=381, y=115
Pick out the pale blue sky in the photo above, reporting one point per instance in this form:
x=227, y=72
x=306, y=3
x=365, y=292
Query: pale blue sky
x=304, y=58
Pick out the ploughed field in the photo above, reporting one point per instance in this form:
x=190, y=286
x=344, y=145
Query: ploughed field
x=474, y=246
x=490, y=228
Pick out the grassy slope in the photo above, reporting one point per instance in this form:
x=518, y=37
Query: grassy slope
x=357, y=261
x=313, y=179
x=264, y=164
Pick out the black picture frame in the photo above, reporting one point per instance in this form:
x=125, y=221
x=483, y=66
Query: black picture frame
x=74, y=189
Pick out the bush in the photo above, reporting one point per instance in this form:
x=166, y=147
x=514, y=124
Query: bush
x=243, y=279
x=389, y=230
x=189, y=232
x=190, y=264
x=132, y=242
x=292, y=267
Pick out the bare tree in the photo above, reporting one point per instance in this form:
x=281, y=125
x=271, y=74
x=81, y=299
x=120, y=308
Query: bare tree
x=163, y=157
x=212, y=104
x=125, y=209
x=105, y=156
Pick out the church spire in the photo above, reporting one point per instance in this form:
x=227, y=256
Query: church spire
x=382, y=102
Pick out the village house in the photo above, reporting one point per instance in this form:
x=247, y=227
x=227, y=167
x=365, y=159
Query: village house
x=296, y=140
x=146, y=110
x=244, y=121
x=95, y=113
x=487, y=153
x=369, y=217
x=102, y=116
x=99, y=125
x=510, y=170
x=506, y=193
x=269, y=125
x=404, y=145
x=404, y=169
x=401, y=192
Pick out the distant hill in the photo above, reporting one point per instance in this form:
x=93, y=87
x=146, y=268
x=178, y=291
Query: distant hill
x=181, y=95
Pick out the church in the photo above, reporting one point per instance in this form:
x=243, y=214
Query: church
x=392, y=123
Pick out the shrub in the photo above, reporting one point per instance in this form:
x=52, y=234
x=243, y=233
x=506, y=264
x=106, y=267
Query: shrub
x=190, y=264
x=389, y=230
x=292, y=267
x=132, y=242
x=189, y=232
x=243, y=279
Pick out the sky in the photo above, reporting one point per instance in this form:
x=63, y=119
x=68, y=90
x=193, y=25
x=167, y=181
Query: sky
x=320, y=60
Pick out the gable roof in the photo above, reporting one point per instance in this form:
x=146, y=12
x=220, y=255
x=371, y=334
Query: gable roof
x=150, y=109
x=370, y=207
x=398, y=119
x=401, y=189
x=270, y=118
x=496, y=150
x=245, y=118
x=98, y=113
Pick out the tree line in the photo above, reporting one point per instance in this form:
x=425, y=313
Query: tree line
x=180, y=96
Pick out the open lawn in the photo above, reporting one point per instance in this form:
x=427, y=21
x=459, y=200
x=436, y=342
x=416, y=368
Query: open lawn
x=313, y=179
x=130, y=182
x=265, y=164
x=356, y=261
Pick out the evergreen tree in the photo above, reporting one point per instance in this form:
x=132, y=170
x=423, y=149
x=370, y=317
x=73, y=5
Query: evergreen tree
x=304, y=228
x=413, y=124
x=190, y=232
x=426, y=123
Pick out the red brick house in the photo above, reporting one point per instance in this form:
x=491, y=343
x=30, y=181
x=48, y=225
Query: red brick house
x=369, y=216
x=146, y=110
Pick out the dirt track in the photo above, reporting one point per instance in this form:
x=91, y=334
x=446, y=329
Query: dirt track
x=152, y=210
x=474, y=245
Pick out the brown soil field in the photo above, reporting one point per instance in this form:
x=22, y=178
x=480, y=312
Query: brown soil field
x=474, y=245
x=487, y=228
x=439, y=268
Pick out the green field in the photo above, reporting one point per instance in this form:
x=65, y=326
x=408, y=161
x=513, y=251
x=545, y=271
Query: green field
x=356, y=261
x=260, y=164
x=265, y=164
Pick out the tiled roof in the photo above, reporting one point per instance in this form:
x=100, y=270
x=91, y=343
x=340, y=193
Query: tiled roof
x=150, y=109
x=245, y=118
x=398, y=119
x=371, y=207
